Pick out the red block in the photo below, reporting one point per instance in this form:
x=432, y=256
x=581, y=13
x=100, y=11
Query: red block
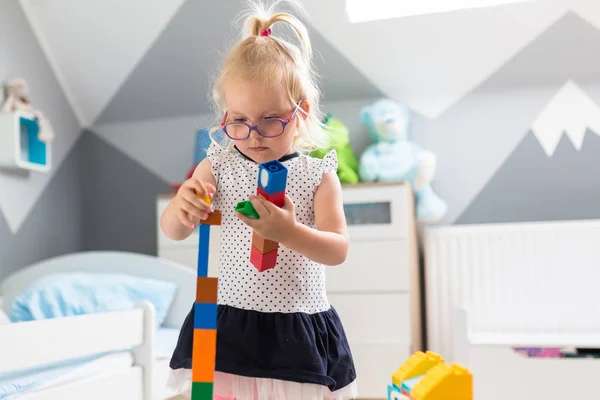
x=263, y=262
x=278, y=198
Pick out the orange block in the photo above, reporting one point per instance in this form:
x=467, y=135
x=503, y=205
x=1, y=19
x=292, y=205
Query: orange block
x=263, y=245
x=203, y=355
x=214, y=218
x=207, y=290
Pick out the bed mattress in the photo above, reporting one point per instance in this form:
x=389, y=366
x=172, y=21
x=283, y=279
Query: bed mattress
x=14, y=385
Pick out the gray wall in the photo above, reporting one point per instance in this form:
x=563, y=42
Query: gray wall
x=119, y=196
x=485, y=149
x=39, y=213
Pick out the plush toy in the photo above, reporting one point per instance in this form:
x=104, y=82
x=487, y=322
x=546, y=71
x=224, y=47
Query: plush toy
x=340, y=142
x=392, y=157
x=16, y=98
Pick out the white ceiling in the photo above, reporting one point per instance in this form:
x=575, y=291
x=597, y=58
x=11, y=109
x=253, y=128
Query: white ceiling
x=427, y=62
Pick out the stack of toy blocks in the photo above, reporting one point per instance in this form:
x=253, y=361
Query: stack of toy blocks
x=272, y=180
x=205, y=316
x=425, y=376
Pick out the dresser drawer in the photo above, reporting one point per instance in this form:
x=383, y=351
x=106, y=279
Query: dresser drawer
x=375, y=365
x=374, y=318
x=372, y=266
x=377, y=211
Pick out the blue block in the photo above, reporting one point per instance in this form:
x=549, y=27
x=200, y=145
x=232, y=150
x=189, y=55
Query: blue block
x=272, y=177
x=203, y=244
x=408, y=384
x=393, y=393
x=205, y=316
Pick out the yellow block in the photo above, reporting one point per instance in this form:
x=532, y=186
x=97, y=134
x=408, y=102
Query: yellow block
x=417, y=364
x=205, y=198
x=445, y=382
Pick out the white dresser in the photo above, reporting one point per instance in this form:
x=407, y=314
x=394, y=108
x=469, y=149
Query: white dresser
x=376, y=291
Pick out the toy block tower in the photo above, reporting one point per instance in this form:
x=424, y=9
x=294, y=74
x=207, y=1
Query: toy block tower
x=204, y=348
x=272, y=180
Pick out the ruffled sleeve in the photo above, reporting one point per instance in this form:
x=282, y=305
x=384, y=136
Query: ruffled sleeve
x=215, y=154
x=329, y=163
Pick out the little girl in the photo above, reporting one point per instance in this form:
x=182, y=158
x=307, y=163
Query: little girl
x=278, y=337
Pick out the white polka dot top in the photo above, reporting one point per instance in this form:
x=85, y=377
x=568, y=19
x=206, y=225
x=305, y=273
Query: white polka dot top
x=296, y=283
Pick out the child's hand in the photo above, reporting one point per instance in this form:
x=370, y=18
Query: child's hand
x=190, y=208
x=274, y=223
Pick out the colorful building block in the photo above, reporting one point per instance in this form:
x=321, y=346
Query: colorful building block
x=203, y=355
x=263, y=245
x=272, y=177
x=261, y=261
x=202, y=390
x=203, y=246
x=245, y=207
x=277, y=198
x=207, y=290
x=214, y=218
x=445, y=382
x=417, y=364
x=425, y=376
x=205, y=316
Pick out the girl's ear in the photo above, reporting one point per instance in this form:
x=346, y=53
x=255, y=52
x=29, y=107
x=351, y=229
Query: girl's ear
x=305, y=106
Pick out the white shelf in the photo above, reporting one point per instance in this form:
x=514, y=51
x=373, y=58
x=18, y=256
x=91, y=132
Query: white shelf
x=19, y=144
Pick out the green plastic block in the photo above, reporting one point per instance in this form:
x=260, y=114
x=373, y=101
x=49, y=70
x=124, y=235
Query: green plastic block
x=202, y=391
x=246, y=208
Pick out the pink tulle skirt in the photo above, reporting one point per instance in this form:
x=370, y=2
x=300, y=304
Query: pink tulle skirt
x=235, y=387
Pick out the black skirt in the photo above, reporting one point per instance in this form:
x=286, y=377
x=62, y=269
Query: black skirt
x=298, y=347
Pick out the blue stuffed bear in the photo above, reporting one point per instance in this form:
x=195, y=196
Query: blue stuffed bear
x=392, y=157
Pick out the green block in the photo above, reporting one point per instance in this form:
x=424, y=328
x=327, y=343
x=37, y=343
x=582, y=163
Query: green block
x=246, y=208
x=202, y=391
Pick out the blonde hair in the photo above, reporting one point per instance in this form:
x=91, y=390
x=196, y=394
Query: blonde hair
x=271, y=60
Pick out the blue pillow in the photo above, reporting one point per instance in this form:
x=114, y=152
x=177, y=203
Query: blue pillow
x=62, y=295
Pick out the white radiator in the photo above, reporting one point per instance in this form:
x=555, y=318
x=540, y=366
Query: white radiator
x=519, y=277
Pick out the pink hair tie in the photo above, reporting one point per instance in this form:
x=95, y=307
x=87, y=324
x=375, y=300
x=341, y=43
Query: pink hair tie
x=266, y=32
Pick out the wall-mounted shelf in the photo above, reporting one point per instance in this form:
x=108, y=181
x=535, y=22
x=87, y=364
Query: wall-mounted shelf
x=20, y=147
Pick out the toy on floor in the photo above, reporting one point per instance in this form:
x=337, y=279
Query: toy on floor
x=16, y=98
x=425, y=376
x=204, y=348
x=272, y=180
x=393, y=157
x=347, y=170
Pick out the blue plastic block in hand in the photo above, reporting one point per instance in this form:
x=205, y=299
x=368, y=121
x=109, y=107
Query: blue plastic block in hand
x=272, y=177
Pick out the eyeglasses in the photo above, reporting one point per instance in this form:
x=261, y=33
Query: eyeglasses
x=268, y=127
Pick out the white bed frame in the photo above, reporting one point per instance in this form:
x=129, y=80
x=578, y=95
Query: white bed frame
x=31, y=344
x=499, y=373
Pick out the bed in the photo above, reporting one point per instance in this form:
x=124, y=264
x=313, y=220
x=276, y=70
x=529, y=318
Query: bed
x=500, y=372
x=120, y=354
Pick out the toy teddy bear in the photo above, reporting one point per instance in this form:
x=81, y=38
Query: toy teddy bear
x=340, y=142
x=16, y=98
x=393, y=157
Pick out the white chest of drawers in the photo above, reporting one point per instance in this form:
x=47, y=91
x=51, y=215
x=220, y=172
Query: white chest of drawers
x=376, y=291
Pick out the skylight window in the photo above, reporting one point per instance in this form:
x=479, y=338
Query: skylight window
x=371, y=10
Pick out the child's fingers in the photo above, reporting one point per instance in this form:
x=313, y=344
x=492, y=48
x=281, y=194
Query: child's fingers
x=211, y=190
x=183, y=218
x=260, y=205
x=192, y=210
x=197, y=185
x=251, y=222
x=191, y=197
